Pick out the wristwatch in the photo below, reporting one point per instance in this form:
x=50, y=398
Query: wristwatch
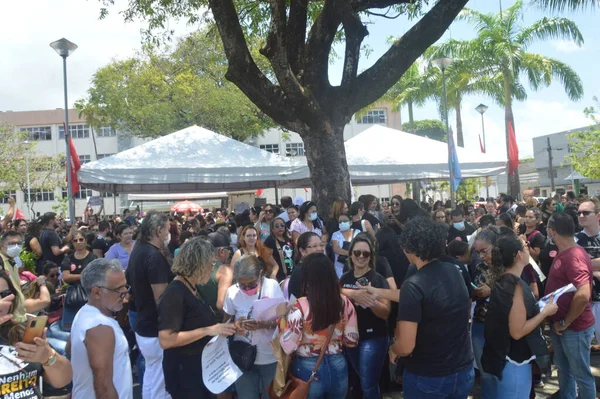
x=51, y=360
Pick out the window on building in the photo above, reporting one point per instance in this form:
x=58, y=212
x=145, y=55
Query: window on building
x=77, y=131
x=373, y=116
x=544, y=193
x=38, y=133
x=38, y=195
x=83, y=159
x=83, y=193
x=555, y=173
x=106, y=131
x=6, y=195
x=101, y=156
x=384, y=199
x=274, y=148
x=107, y=195
x=294, y=149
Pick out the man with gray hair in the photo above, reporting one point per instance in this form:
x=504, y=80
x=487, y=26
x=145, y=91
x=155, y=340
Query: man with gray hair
x=99, y=349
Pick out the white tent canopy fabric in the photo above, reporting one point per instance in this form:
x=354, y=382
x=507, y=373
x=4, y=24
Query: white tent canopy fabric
x=382, y=155
x=192, y=160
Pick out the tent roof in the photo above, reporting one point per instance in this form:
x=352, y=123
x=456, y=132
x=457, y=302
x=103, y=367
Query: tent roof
x=191, y=160
x=381, y=155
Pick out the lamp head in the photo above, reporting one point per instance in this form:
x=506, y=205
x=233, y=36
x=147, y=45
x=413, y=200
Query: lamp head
x=63, y=47
x=442, y=62
x=481, y=108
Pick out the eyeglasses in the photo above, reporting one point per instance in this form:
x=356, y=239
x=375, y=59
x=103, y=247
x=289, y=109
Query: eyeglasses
x=268, y=210
x=279, y=226
x=321, y=245
x=248, y=286
x=365, y=254
x=250, y=236
x=585, y=213
x=483, y=251
x=122, y=294
x=5, y=293
x=78, y=239
x=395, y=204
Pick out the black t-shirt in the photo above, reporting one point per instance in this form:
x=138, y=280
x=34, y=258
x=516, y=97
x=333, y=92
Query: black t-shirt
x=536, y=240
x=592, y=247
x=547, y=255
x=75, y=266
x=100, y=243
x=461, y=268
x=287, y=248
x=147, y=266
x=179, y=310
x=331, y=226
x=454, y=234
x=49, y=239
x=372, y=219
x=435, y=297
x=22, y=379
x=369, y=325
x=296, y=280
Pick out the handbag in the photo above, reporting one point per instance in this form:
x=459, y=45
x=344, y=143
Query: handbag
x=243, y=354
x=76, y=296
x=295, y=388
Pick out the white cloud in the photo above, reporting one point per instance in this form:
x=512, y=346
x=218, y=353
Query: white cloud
x=533, y=118
x=566, y=46
x=31, y=72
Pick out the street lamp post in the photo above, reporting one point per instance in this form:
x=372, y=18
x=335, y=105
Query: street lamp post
x=481, y=108
x=65, y=48
x=443, y=63
x=28, y=181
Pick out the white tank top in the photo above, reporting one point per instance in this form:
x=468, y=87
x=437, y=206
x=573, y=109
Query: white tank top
x=83, y=380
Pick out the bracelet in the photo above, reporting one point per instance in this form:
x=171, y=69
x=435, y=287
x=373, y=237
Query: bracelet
x=51, y=360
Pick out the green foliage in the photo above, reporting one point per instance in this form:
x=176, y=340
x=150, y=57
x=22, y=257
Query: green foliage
x=467, y=190
x=157, y=93
x=585, y=145
x=562, y=5
x=430, y=128
x=61, y=206
x=28, y=258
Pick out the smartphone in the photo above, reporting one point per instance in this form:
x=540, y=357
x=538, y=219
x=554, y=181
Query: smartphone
x=34, y=328
x=363, y=281
x=474, y=286
x=248, y=321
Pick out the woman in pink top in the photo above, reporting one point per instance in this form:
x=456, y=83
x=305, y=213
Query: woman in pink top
x=306, y=328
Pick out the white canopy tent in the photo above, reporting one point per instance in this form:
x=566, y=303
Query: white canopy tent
x=192, y=160
x=381, y=155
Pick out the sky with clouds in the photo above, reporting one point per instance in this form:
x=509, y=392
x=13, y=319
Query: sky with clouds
x=31, y=72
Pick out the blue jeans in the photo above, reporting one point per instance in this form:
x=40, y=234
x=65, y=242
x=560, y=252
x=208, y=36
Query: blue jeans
x=140, y=361
x=453, y=386
x=67, y=318
x=331, y=380
x=57, y=338
x=572, y=358
x=367, y=360
x=487, y=381
x=515, y=382
x=254, y=383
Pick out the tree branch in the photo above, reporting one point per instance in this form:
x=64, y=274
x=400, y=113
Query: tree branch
x=362, y=5
x=375, y=81
x=318, y=47
x=355, y=33
x=242, y=70
x=296, y=35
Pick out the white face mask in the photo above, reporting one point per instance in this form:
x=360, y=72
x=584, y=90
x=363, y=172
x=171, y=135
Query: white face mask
x=234, y=238
x=168, y=240
x=14, y=250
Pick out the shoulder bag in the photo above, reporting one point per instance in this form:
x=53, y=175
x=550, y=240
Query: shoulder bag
x=242, y=353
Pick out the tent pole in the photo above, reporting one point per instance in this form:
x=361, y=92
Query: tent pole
x=115, y=203
x=276, y=194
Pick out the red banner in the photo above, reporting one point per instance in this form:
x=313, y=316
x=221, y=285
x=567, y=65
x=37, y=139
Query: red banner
x=481, y=145
x=75, y=164
x=513, y=150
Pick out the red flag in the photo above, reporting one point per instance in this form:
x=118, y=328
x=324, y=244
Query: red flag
x=306, y=190
x=18, y=215
x=513, y=150
x=259, y=192
x=481, y=145
x=75, y=165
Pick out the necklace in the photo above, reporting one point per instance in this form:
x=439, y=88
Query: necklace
x=190, y=285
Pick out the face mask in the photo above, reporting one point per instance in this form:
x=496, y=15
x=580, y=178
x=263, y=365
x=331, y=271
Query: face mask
x=459, y=225
x=234, y=239
x=250, y=292
x=373, y=212
x=313, y=216
x=14, y=250
x=344, y=226
x=168, y=240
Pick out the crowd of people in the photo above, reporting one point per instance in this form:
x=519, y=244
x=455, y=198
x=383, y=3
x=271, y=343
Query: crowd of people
x=418, y=297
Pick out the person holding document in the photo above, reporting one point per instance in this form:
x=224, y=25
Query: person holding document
x=573, y=324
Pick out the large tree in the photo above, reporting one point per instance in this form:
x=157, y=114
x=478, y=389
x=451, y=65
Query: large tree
x=500, y=55
x=584, y=145
x=298, y=36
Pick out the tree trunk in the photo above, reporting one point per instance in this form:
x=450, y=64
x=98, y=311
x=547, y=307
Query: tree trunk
x=460, y=141
x=513, y=183
x=326, y=159
x=411, y=118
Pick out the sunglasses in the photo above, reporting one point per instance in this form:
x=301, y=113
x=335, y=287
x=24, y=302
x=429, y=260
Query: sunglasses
x=279, y=226
x=122, y=294
x=395, y=204
x=78, y=239
x=584, y=213
x=248, y=286
x=365, y=254
x=268, y=210
x=5, y=293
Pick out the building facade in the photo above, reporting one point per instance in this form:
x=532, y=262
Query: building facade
x=45, y=129
x=557, y=145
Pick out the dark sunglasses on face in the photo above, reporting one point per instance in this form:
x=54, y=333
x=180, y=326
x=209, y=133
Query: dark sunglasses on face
x=78, y=239
x=279, y=226
x=584, y=213
x=365, y=254
x=248, y=286
x=395, y=204
x=5, y=293
x=268, y=210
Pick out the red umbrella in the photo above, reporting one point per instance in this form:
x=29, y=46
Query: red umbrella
x=186, y=206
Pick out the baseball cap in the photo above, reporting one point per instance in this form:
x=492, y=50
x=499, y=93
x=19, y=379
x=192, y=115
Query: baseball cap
x=218, y=240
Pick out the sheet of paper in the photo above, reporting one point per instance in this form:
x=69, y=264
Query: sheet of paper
x=218, y=369
x=563, y=290
x=539, y=271
x=265, y=310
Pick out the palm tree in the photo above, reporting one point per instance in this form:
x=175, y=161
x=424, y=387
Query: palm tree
x=499, y=54
x=561, y=5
